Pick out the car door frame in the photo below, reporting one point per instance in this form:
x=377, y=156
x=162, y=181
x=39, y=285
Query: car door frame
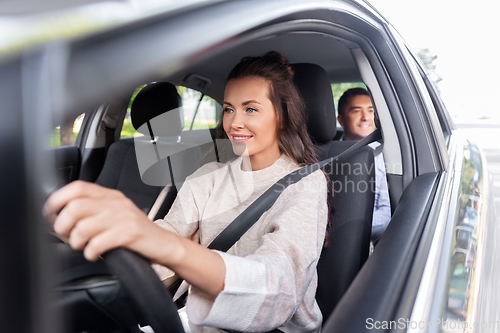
x=27, y=234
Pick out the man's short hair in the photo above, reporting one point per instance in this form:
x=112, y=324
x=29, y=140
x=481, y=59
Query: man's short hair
x=348, y=94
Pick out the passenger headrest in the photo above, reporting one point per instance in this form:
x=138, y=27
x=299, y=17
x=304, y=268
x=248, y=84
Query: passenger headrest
x=153, y=100
x=314, y=86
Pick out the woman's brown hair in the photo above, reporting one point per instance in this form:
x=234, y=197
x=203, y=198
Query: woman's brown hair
x=273, y=67
x=293, y=139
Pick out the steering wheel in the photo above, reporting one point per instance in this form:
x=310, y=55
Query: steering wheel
x=146, y=290
x=152, y=299
x=82, y=281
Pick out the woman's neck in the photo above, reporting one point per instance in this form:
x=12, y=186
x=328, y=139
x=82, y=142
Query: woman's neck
x=255, y=163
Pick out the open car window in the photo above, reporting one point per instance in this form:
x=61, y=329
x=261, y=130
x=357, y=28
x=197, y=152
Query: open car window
x=66, y=134
x=200, y=112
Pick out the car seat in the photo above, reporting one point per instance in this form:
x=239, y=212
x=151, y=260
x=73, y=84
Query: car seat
x=352, y=193
x=144, y=167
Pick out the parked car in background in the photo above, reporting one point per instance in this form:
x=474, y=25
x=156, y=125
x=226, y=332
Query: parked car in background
x=65, y=102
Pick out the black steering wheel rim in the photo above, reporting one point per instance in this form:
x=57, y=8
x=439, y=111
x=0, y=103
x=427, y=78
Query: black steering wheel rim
x=140, y=281
x=146, y=290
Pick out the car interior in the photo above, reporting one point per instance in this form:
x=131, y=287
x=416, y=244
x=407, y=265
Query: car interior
x=101, y=154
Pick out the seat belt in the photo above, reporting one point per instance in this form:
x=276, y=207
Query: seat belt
x=233, y=232
x=110, y=138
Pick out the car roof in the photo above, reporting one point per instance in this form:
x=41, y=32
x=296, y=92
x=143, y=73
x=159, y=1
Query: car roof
x=298, y=46
x=27, y=7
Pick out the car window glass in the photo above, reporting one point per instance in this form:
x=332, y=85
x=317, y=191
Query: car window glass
x=424, y=94
x=128, y=129
x=432, y=107
x=439, y=107
x=66, y=135
x=200, y=111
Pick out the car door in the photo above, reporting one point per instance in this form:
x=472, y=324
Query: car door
x=381, y=294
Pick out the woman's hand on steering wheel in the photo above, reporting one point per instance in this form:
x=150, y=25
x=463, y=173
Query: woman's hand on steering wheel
x=96, y=219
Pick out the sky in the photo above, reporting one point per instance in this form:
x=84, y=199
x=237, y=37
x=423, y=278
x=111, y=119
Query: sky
x=465, y=37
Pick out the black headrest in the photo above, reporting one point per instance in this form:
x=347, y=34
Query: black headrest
x=314, y=86
x=156, y=99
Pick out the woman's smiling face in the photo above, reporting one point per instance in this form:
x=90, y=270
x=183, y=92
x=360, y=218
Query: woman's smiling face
x=250, y=121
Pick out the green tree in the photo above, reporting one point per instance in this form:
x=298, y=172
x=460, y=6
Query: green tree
x=429, y=61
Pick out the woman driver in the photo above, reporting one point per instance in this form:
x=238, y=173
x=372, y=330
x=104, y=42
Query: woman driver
x=268, y=279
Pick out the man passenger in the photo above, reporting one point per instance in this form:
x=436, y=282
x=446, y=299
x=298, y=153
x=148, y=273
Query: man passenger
x=357, y=117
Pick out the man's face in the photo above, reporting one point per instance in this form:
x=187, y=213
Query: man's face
x=358, y=119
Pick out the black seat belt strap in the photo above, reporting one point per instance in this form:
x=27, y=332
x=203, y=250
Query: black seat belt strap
x=233, y=232
x=110, y=138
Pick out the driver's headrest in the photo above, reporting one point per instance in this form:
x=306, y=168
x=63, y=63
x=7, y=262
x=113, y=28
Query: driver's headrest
x=314, y=86
x=153, y=100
